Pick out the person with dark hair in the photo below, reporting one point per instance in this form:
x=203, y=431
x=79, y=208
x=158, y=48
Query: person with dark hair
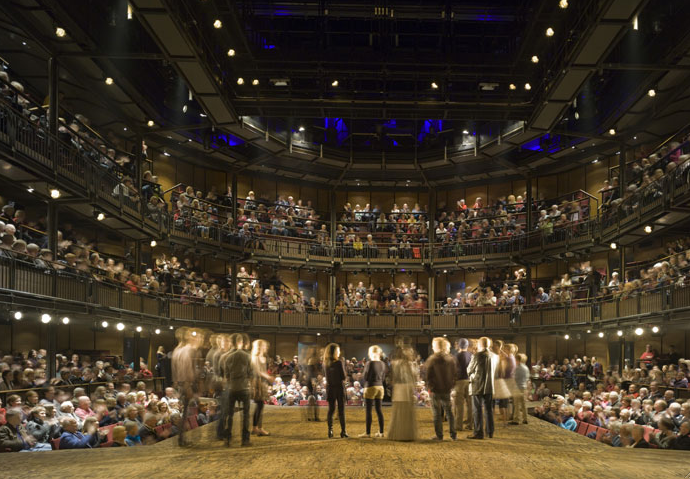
x=463, y=400
x=334, y=369
x=682, y=441
x=440, y=376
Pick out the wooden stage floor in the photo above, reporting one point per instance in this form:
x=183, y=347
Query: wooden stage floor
x=300, y=449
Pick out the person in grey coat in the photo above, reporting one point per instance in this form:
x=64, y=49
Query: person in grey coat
x=482, y=370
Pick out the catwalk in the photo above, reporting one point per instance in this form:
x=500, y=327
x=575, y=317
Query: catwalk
x=300, y=449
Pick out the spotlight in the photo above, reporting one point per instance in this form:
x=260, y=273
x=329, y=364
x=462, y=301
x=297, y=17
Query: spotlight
x=60, y=32
x=129, y=12
x=577, y=115
x=651, y=92
x=465, y=132
x=138, y=329
x=612, y=131
x=165, y=153
x=217, y=24
x=563, y=4
x=100, y=216
x=30, y=189
x=434, y=85
x=45, y=319
x=153, y=243
x=65, y=320
x=595, y=160
x=648, y=229
x=150, y=123
x=535, y=59
x=104, y=324
x=655, y=329
x=109, y=81
x=240, y=81
x=301, y=128
x=528, y=86
x=549, y=32
x=255, y=81
x=601, y=334
x=120, y=326
x=619, y=332
x=18, y=315
x=589, y=331
x=318, y=334
x=334, y=83
x=171, y=328
x=193, y=333
x=613, y=245
x=512, y=86
x=184, y=108
x=55, y=193
x=639, y=331
x=231, y=53
x=636, y=23
x=567, y=336
x=157, y=331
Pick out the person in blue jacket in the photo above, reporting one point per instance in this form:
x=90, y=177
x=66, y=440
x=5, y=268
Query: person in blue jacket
x=71, y=438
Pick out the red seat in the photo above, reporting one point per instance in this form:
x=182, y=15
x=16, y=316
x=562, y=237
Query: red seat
x=55, y=443
x=600, y=433
x=582, y=428
x=590, y=429
x=191, y=421
x=303, y=402
x=322, y=403
x=648, y=431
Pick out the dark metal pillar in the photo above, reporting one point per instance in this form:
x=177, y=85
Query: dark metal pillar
x=528, y=288
x=528, y=206
x=233, y=279
x=138, y=162
x=235, y=197
x=332, y=209
x=137, y=256
x=53, y=92
x=621, y=171
x=431, y=214
x=528, y=350
x=136, y=362
x=622, y=260
x=51, y=350
x=53, y=228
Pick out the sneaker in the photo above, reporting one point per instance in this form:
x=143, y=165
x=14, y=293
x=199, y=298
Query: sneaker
x=364, y=434
x=378, y=434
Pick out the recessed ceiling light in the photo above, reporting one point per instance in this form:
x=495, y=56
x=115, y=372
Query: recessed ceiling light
x=595, y=160
x=434, y=85
x=166, y=153
x=613, y=246
x=55, y=193
x=231, y=52
x=535, y=59
x=60, y=32
x=563, y=4
x=150, y=123
x=528, y=86
x=648, y=229
x=217, y=24
x=465, y=132
x=255, y=81
x=512, y=86
x=30, y=189
x=109, y=81
x=549, y=32
x=153, y=243
x=301, y=128
x=651, y=92
x=240, y=81
x=100, y=216
x=334, y=83
x=612, y=131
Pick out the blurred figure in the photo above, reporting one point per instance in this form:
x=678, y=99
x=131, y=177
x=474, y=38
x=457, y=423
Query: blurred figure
x=238, y=371
x=440, y=376
x=373, y=375
x=313, y=369
x=404, y=376
x=222, y=376
x=186, y=368
x=334, y=369
x=260, y=383
x=482, y=370
x=463, y=400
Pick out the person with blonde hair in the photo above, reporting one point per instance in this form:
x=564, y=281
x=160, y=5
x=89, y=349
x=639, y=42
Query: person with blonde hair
x=521, y=380
x=260, y=383
x=334, y=370
x=482, y=370
x=119, y=435
x=440, y=377
x=373, y=375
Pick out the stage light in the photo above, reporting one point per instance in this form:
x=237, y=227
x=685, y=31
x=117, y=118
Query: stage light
x=619, y=332
x=636, y=24
x=104, y=324
x=18, y=315
x=65, y=320
x=434, y=85
x=613, y=245
x=138, y=329
x=217, y=24
x=655, y=329
x=100, y=216
x=109, y=81
x=528, y=86
x=30, y=189
x=639, y=331
x=334, y=83
x=240, y=81
x=171, y=328
x=567, y=336
x=157, y=331
x=184, y=108
x=129, y=12
x=465, y=132
x=563, y=4
x=231, y=52
x=577, y=115
x=648, y=229
x=601, y=334
x=301, y=128
x=153, y=243
x=193, y=333
x=589, y=331
x=651, y=92
x=120, y=326
x=549, y=32
x=612, y=131
x=255, y=81
x=60, y=32
x=595, y=160
x=535, y=59
x=45, y=318
x=150, y=123
x=512, y=86
x=55, y=193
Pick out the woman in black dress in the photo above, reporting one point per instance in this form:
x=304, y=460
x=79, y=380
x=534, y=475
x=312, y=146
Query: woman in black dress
x=334, y=368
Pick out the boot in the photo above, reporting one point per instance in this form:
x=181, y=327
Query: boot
x=330, y=433
x=343, y=434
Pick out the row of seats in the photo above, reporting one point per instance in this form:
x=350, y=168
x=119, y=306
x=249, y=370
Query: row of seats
x=593, y=431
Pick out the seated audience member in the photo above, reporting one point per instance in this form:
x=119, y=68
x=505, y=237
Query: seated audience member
x=567, y=420
x=147, y=433
x=119, y=435
x=73, y=439
x=638, y=440
x=84, y=409
x=132, y=438
x=13, y=436
x=665, y=438
x=682, y=442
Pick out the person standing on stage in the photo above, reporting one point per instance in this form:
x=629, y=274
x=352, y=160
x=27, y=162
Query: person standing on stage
x=313, y=370
x=481, y=371
x=221, y=374
x=404, y=376
x=463, y=400
x=260, y=383
x=239, y=372
x=373, y=375
x=334, y=369
x=186, y=368
x=440, y=377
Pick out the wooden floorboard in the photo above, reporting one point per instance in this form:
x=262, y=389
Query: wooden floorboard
x=300, y=449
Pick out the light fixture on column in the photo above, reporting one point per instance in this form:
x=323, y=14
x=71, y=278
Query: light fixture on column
x=651, y=93
x=619, y=332
x=54, y=193
x=567, y=336
x=150, y=123
x=528, y=86
x=139, y=329
x=65, y=320
x=655, y=329
x=434, y=85
x=240, y=81
x=60, y=32
x=612, y=131
x=217, y=24
x=512, y=86
x=648, y=229
x=231, y=52
x=639, y=331
x=104, y=324
x=255, y=81
x=601, y=334
x=535, y=59
x=109, y=81
x=549, y=32
x=18, y=315
x=157, y=331
x=153, y=243
x=613, y=245
x=45, y=318
x=120, y=326
x=334, y=83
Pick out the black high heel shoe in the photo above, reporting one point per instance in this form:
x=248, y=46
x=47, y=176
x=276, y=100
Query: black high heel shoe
x=343, y=434
x=330, y=433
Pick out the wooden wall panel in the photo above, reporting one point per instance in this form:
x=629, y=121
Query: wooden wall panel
x=383, y=199
x=473, y=192
x=244, y=185
x=184, y=173
x=219, y=179
x=165, y=170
